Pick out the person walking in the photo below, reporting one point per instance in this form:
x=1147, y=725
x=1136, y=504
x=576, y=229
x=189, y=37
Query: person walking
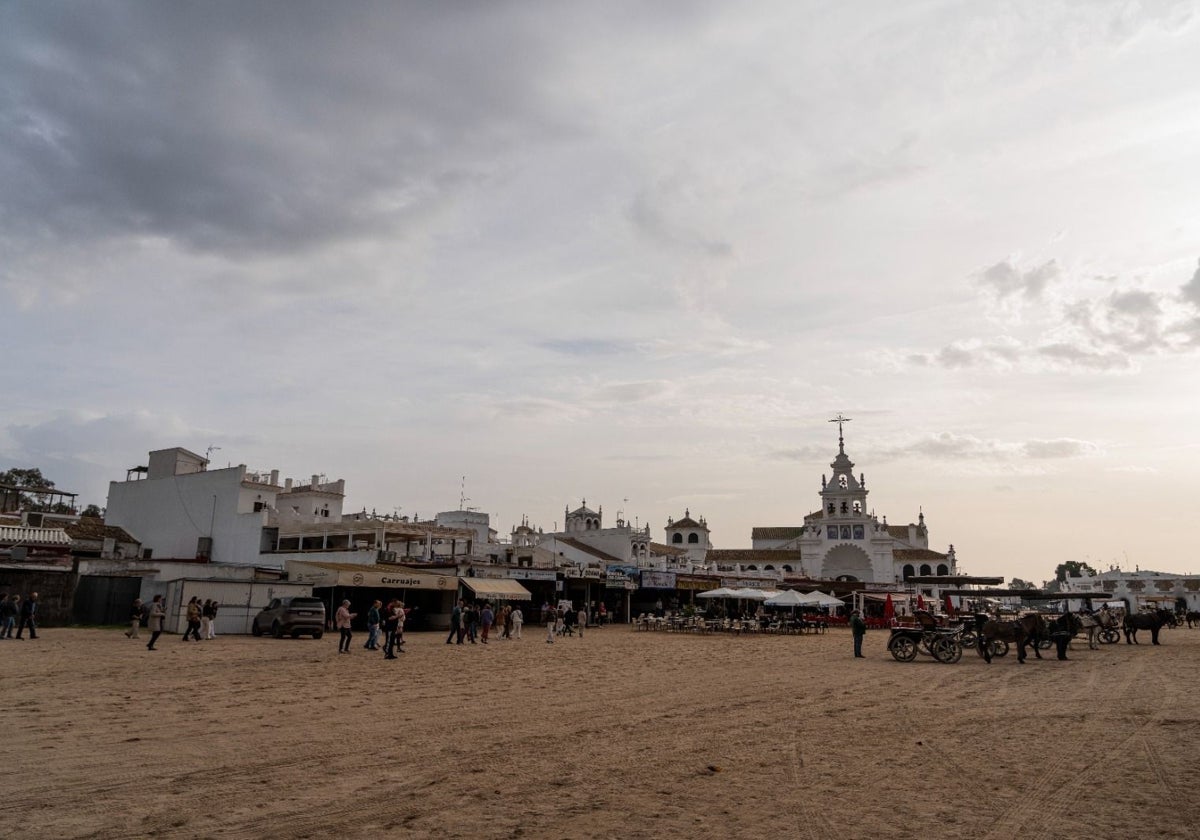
x=392, y=623
x=155, y=621
x=8, y=615
x=582, y=619
x=29, y=616
x=373, y=619
x=135, y=619
x=472, y=623
x=193, y=620
x=517, y=620
x=456, y=623
x=401, y=620
x=212, y=619
x=550, y=625
x=506, y=622
x=342, y=622
x=858, y=628
x=486, y=618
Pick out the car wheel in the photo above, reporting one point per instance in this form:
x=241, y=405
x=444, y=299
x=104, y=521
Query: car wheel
x=318, y=634
x=255, y=630
x=277, y=630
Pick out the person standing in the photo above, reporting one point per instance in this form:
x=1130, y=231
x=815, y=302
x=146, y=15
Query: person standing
x=212, y=619
x=858, y=628
x=135, y=619
x=603, y=613
x=401, y=618
x=29, y=616
x=205, y=618
x=8, y=615
x=373, y=619
x=582, y=619
x=455, y=623
x=342, y=622
x=506, y=622
x=486, y=617
x=517, y=620
x=550, y=625
x=472, y=622
x=155, y=622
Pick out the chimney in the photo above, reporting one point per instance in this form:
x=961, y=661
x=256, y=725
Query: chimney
x=275, y=477
x=315, y=479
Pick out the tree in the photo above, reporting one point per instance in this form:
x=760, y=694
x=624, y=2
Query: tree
x=1072, y=568
x=30, y=478
x=93, y=510
x=1017, y=583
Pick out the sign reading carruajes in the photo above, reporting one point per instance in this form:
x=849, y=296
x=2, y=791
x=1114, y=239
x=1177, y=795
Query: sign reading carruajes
x=347, y=574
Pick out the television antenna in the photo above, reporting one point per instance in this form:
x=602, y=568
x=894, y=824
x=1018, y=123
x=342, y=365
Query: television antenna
x=208, y=452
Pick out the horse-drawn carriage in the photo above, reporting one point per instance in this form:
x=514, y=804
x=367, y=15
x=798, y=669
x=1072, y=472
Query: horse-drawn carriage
x=928, y=638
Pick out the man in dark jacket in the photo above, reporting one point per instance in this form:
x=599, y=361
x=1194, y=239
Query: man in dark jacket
x=858, y=628
x=29, y=616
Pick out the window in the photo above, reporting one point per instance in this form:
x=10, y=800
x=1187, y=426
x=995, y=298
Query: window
x=925, y=570
x=908, y=571
x=943, y=569
x=693, y=538
x=845, y=532
x=858, y=531
x=832, y=532
x=842, y=482
x=857, y=507
x=677, y=538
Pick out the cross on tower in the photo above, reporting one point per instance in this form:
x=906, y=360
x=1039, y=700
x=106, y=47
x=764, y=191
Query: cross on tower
x=840, y=420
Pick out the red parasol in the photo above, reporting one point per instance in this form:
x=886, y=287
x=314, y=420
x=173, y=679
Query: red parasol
x=949, y=605
x=920, y=602
x=889, y=610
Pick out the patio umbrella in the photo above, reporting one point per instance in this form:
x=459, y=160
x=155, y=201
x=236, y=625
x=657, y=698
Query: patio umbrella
x=949, y=605
x=749, y=594
x=889, y=610
x=717, y=593
x=920, y=602
x=821, y=599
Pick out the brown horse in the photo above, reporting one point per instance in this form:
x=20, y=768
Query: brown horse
x=1028, y=629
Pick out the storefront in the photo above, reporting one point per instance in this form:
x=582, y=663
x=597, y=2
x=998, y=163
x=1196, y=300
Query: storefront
x=428, y=597
x=620, y=582
x=495, y=590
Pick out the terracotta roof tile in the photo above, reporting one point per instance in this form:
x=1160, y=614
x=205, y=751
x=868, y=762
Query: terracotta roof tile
x=788, y=533
x=775, y=557
x=89, y=528
x=916, y=554
x=670, y=550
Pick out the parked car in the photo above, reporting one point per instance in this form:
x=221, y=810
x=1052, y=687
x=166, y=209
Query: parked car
x=291, y=617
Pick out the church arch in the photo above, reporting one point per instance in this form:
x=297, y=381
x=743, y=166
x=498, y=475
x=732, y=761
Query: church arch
x=925, y=570
x=677, y=538
x=943, y=569
x=693, y=538
x=846, y=560
x=908, y=571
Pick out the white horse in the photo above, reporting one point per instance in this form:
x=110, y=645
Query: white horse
x=1093, y=623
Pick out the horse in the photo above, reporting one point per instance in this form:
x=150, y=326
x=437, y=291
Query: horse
x=1093, y=623
x=1192, y=617
x=1062, y=630
x=1028, y=629
x=1152, y=621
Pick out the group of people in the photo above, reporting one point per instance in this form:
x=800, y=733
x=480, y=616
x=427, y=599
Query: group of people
x=19, y=613
x=387, y=620
x=201, y=619
x=474, y=622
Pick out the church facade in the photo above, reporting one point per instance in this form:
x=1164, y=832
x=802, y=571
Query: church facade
x=841, y=540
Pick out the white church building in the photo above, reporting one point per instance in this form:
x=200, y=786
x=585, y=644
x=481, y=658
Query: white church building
x=842, y=541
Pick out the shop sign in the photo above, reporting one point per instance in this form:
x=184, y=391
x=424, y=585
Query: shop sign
x=621, y=577
x=485, y=572
x=658, y=580
x=699, y=583
x=532, y=574
x=743, y=583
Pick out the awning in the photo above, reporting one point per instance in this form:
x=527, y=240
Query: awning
x=502, y=589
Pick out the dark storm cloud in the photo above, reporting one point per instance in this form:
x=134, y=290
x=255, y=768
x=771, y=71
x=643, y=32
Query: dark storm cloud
x=256, y=128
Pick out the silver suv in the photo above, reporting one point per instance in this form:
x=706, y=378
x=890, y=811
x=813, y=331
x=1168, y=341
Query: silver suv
x=292, y=617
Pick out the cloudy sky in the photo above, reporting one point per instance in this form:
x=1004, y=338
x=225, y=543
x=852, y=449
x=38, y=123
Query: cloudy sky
x=620, y=251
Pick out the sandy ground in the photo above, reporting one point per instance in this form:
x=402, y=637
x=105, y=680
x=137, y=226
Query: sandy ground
x=619, y=734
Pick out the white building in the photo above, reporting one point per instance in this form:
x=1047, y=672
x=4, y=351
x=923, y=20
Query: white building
x=843, y=541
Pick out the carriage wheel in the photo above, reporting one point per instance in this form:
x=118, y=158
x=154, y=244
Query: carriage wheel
x=947, y=651
x=968, y=638
x=999, y=647
x=1110, y=636
x=903, y=648
x=1044, y=644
